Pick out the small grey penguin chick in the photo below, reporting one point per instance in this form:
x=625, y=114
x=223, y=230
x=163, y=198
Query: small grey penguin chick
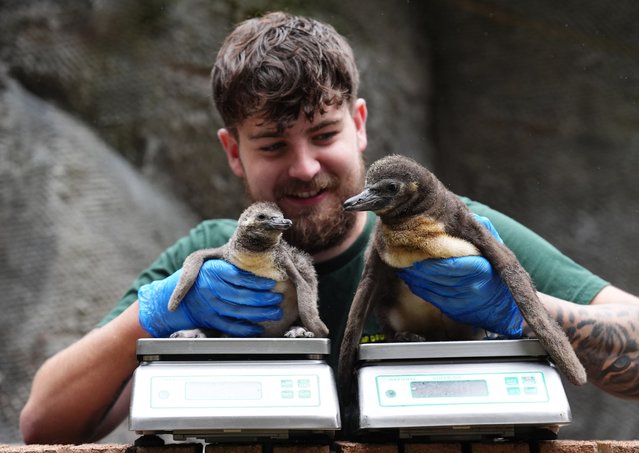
x=419, y=219
x=257, y=246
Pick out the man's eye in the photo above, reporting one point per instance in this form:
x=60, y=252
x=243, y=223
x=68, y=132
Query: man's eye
x=324, y=137
x=272, y=147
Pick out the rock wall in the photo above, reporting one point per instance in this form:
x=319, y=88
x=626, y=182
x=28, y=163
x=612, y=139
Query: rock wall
x=78, y=223
x=108, y=151
x=535, y=113
x=138, y=72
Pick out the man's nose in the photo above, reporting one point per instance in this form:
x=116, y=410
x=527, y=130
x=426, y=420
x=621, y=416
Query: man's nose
x=305, y=165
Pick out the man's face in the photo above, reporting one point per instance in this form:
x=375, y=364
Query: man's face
x=308, y=169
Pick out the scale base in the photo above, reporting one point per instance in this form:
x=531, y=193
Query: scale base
x=255, y=436
x=457, y=434
x=480, y=433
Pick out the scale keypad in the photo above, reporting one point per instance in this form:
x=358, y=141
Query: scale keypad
x=296, y=388
x=522, y=385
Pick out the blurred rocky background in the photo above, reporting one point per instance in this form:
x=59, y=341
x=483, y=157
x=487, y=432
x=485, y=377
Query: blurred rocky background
x=108, y=151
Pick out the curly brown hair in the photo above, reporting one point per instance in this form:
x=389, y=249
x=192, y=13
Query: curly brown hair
x=279, y=65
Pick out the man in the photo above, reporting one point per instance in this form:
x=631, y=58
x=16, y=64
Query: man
x=295, y=132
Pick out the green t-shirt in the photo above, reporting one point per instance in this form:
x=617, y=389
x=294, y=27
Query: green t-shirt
x=552, y=272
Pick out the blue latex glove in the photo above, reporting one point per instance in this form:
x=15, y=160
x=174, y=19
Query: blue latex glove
x=223, y=297
x=468, y=290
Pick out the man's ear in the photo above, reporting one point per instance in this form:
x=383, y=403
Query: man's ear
x=359, y=118
x=232, y=150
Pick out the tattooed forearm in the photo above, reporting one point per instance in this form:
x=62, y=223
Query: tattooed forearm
x=605, y=338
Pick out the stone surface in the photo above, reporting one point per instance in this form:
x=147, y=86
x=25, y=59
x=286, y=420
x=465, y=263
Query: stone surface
x=568, y=446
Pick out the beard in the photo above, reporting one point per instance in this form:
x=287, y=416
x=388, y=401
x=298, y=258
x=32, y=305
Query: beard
x=318, y=228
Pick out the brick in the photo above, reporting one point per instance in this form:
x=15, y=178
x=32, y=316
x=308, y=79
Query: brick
x=55, y=448
x=169, y=448
x=556, y=446
x=433, y=448
x=33, y=448
x=618, y=446
x=568, y=446
x=99, y=448
x=354, y=447
x=233, y=448
x=508, y=447
x=301, y=449
x=58, y=448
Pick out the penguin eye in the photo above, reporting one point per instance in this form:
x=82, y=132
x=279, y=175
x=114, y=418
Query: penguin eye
x=621, y=363
x=393, y=186
x=261, y=217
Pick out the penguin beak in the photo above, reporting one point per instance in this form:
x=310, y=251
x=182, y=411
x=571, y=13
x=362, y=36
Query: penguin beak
x=279, y=223
x=364, y=201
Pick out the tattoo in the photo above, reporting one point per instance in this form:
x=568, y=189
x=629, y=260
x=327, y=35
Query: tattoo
x=605, y=338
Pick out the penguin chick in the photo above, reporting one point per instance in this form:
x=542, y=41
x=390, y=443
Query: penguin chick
x=257, y=246
x=418, y=219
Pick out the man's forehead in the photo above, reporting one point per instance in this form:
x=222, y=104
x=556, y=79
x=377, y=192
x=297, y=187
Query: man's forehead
x=258, y=126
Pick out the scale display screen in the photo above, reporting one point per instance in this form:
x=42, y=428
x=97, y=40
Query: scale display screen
x=223, y=390
x=433, y=389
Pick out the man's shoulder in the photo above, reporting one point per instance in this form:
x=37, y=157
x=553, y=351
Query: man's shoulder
x=217, y=225
x=212, y=232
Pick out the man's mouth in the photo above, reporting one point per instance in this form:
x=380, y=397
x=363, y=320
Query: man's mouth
x=307, y=190
x=305, y=194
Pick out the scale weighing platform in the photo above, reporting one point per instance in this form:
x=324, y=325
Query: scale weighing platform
x=491, y=389
x=220, y=389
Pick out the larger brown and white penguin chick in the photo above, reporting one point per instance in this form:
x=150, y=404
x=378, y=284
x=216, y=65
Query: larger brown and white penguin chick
x=419, y=219
x=257, y=246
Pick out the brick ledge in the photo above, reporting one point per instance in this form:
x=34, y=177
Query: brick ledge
x=556, y=446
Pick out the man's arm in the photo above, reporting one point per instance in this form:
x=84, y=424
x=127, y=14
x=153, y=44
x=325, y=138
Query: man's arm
x=605, y=336
x=81, y=393
x=613, y=295
x=74, y=391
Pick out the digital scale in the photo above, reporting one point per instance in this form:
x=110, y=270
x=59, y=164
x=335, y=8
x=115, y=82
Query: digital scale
x=275, y=389
x=492, y=389
x=234, y=388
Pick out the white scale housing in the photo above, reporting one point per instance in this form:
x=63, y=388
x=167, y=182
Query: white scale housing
x=234, y=388
x=493, y=388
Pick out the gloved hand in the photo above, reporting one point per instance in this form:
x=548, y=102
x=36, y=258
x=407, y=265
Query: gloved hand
x=223, y=298
x=468, y=290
